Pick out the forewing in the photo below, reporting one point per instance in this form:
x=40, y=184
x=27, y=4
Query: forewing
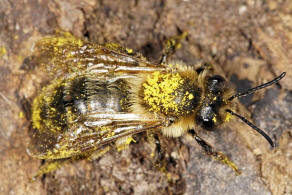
x=65, y=53
x=98, y=130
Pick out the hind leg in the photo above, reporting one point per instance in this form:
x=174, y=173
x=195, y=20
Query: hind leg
x=50, y=166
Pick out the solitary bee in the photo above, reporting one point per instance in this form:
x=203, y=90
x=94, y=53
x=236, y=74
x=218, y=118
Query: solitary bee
x=102, y=95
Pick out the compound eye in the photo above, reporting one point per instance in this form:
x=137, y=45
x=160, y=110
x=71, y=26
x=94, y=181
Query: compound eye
x=206, y=118
x=215, y=84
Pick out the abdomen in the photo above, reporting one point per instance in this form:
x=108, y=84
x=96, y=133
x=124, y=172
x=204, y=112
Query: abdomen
x=67, y=100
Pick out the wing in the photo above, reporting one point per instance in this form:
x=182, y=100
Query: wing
x=65, y=53
x=83, y=138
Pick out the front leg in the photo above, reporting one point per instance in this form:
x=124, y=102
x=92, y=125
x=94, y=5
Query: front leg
x=170, y=46
x=217, y=155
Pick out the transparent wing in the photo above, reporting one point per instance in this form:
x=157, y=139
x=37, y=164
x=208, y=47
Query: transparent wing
x=98, y=130
x=65, y=53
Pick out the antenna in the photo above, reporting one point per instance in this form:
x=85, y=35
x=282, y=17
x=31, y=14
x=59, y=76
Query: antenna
x=252, y=90
x=253, y=126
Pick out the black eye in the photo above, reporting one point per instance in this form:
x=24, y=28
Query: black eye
x=215, y=84
x=205, y=117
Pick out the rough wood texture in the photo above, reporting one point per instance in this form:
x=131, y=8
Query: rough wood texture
x=249, y=40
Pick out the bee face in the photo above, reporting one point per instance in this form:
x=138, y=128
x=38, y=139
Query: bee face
x=211, y=112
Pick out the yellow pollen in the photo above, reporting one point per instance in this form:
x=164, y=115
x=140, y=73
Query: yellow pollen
x=129, y=50
x=191, y=96
x=129, y=140
x=159, y=91
x=214, y=119
x=228, y=117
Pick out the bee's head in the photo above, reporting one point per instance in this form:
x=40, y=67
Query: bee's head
x=210, y=113
x=216, y=107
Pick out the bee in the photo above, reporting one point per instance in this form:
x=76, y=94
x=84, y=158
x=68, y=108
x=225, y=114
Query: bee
x=102, y=95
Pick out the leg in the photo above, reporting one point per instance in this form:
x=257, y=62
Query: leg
x=171, y=45
x=158, y=150
x=204, y=67
x=203, y=70
x=50, y=166
x=153, y=139
x=98, y=153
x=157, y=153
x=217, y=155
